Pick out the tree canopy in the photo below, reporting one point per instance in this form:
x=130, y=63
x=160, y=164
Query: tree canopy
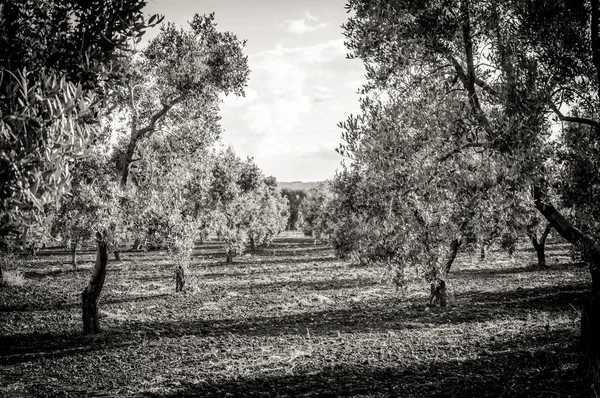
x=464, y=93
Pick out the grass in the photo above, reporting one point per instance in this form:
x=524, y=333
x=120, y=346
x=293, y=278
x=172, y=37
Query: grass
x=292, y=320
x=13, y=278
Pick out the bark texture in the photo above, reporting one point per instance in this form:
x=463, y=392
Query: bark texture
x=540, y=245
x=74, y=254
x=439, y=293
x=91, y=294
x=179, y=278
x=590, y=317
x=451, y=256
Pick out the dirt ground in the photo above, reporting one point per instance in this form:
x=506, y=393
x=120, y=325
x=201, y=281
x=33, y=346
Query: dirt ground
x=292, y=320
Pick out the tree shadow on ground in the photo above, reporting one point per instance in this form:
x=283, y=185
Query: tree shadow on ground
x=550, y=298
x=485, y=273
x=550, y=248
x=25, y=347
x=383, y=315
x=296, y=284
x=252, y=272
x=59, y=304
x=289, y=260
x=523, y=368
x=241, y=261
x=60, y=251
x=295, y=239
x=282, y=253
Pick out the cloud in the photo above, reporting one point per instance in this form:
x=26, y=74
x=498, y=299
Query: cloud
x=356, y=84
x=279, y=97
x=321, y=93
x=288, y=120
x=303, y=25
x=318, y=53
x=319, y=149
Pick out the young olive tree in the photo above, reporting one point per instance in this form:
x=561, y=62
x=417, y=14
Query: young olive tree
x=317, y=220
x=295, y=198
x=268, y=217
x=244, y=209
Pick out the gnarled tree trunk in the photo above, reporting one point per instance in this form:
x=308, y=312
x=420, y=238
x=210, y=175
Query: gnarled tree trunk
x=252, y=242
x=590, y=317
x=91, y=294
x=451, y=256
x=179, y=278
x=540, y=245
x=439, y=293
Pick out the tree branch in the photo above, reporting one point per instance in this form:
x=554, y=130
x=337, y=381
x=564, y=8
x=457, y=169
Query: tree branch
x=460, y=149
x=574, y=119
x=140, y=133
x=545, y=234
x=486, y=87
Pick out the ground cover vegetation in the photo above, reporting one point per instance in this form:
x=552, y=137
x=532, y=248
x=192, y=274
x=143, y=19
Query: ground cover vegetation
x=477, y=143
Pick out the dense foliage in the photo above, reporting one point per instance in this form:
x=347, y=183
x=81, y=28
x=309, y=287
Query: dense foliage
x=245, y=210
x=295, y=198
x=58, y=62
x=456, y=123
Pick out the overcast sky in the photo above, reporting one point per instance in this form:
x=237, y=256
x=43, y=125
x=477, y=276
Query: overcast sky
x=301, y=84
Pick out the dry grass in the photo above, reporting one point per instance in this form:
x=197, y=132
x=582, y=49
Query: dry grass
x=294, y=321
x=13, y=278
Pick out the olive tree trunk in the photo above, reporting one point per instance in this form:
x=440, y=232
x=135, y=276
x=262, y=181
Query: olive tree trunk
x=451, y=256
x=590, y=249
x=91, y=294
x=439, y=292
x=137, y=243
x=252, y=242
x=540, y=245
x=74, y=254
x=179, y=278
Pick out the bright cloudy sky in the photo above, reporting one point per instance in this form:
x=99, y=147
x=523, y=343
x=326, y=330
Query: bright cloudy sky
x=301, y=84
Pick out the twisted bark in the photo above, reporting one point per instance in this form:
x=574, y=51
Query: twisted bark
x=91, y=294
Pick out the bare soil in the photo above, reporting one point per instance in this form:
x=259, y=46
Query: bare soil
x=292, y=320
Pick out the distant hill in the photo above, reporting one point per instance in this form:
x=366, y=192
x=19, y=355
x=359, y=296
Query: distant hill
x=298, y=184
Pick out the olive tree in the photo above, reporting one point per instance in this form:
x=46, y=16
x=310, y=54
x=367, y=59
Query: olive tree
x=514, y=64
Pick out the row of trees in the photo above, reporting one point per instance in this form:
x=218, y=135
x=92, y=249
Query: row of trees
x=99, y=139
x=175, y=198
x=479, y=122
